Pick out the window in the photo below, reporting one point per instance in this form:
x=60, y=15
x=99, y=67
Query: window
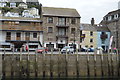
x=103, y=41
x=91, y=46
x=91, y=33
x=50, y=20
x=34, y=35
x=73, y=20
x=12, y=4
x=72, y=30
x=50, y=29
x=91, y=40
x=8, y=36
x=61, y=21
x=27, y=34
x=61, y=31
x=18, y=34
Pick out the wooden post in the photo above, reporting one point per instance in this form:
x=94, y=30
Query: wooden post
x=101, y=57
x=20, y=64
x=4, y=66
x=43, y=65
x=66, y=61
x=12, y=65
x=108, y=59
x=112, y=65
x=59, y=64
x=36, y=65
x=77, y=65
x=28, y=65
x=95, y=74
x=118, y=63
x=51, y=64
x=88, y=69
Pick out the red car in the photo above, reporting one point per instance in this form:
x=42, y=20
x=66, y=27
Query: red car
x=41, y=50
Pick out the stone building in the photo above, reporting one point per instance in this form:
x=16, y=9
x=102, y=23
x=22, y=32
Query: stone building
x=61, y=27
x=112, y=21
x=17, y=32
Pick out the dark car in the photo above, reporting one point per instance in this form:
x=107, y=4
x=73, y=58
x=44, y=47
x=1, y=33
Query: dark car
x=41, y=50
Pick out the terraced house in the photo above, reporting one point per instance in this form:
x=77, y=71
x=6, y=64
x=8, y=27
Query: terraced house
x=61, y=27
x=88, y=36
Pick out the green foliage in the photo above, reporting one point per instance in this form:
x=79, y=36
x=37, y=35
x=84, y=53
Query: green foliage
x=5, y=9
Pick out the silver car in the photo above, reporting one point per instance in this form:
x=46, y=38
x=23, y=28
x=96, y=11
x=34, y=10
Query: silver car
x=67, y=49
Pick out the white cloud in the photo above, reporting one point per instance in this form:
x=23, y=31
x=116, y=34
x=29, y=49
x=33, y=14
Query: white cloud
x=86, y=8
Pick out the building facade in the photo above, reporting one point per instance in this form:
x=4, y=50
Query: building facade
x=18, y=32
x=112, y=21
x=88, y=36
x=94, y=36
x=61, y=27
x=103, y=37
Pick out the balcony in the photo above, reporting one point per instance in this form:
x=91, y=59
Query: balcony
x=103, y=36
x=17, y=27
x=62, y=25
x=62, y=36
x=82, y=36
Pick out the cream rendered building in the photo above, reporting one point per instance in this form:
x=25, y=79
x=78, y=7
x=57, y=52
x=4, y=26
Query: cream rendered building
x=88, y=34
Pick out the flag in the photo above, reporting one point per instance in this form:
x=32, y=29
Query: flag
x=111, y=40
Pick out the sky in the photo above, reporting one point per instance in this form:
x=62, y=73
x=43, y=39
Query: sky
x=87, y=9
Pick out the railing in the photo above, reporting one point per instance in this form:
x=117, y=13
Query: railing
x=17, y=27
x=36, y=65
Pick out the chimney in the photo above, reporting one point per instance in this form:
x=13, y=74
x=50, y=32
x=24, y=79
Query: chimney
x=92, y=21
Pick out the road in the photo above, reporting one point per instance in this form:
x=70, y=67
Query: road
x=46, y=53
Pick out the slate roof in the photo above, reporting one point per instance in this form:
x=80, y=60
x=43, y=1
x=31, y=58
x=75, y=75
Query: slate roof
x=87, y=27
x=63, y=12
x=102, y=28
x=32, y=1
x=20, y=19
x=15, y=0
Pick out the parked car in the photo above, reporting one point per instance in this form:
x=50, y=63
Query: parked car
x=84, y=49
x=67, y=49
x=91, y=49
x=41, y=50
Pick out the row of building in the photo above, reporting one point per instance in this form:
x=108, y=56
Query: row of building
x=55, y=28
